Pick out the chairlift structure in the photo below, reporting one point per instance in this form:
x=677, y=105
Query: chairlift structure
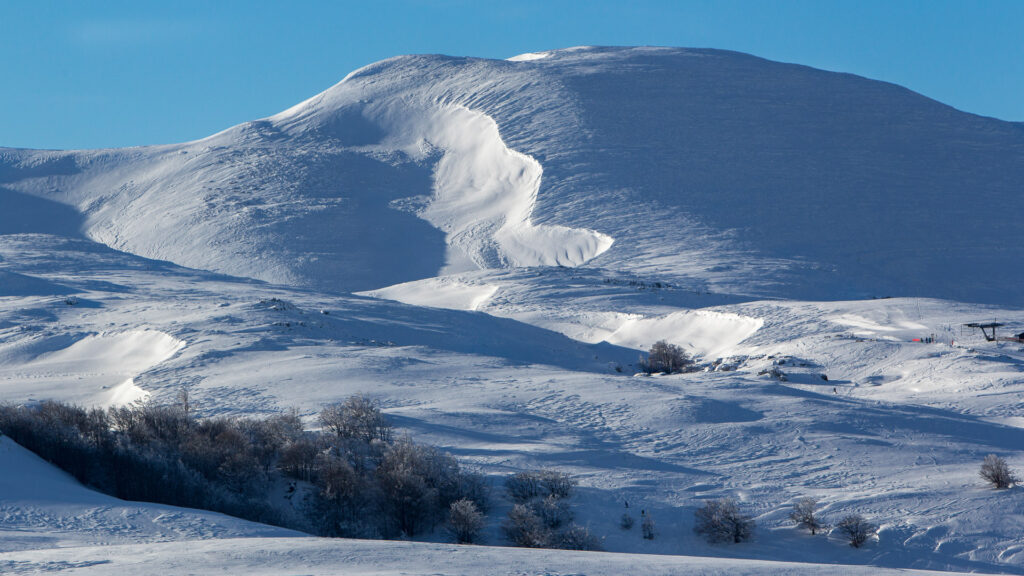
x=985, y=327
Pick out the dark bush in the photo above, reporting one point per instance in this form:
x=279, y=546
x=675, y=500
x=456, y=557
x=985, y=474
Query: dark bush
x=360, y=483
x=666, y=358
x=856, y=529
x=995, y=470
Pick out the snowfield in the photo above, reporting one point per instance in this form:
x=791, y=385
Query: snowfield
x=486, y=247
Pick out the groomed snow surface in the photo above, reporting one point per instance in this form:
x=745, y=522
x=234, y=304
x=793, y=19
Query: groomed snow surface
x=486, y=247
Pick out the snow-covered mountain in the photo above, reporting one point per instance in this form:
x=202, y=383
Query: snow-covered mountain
x=711, y=168
x=485, y=246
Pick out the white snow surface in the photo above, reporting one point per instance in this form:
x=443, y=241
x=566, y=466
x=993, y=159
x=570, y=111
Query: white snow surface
x=485, y=246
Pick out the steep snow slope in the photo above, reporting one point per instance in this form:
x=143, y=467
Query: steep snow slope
x=729, y=172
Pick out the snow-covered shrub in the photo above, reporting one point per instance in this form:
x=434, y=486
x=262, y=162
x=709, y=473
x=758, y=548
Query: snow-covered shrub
x=805, y=515
x=465, y=521
x=856, y=529
x=577, y=537
x=995, y=470
x=553, y=512
x=666, y=358
x=524, y=528
x=722, y=521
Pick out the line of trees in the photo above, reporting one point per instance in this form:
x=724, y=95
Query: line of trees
x=352, y=478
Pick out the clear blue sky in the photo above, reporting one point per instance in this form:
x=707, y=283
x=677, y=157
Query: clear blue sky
x=80, y=74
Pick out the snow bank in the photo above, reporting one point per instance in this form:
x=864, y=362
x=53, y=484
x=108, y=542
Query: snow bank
x=705, y=333
x=444, y=292
x=97, y=370
x=529, y=57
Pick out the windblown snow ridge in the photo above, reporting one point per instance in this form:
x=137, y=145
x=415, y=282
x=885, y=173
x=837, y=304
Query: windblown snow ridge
x=484, y=192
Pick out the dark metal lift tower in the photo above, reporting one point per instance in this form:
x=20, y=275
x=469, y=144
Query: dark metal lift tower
x=985, y=326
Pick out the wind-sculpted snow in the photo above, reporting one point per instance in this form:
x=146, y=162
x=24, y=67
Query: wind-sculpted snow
x=484, y=193
x=97, y=369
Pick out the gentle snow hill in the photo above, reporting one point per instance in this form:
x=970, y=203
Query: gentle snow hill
x=712, y=168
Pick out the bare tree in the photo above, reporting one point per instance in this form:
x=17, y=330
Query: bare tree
x=667, y=358
x=856, y=529
x=995, y=470
x=465, y=521
x=721, y=521
x=805, y=515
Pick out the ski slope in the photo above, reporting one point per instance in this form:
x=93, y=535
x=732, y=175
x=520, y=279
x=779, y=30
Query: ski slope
x=485, y=247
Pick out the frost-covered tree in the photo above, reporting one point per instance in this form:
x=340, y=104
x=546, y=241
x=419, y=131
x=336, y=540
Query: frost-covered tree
x=805, y=515
x=722, y=521
x=524, y=528
x=357, y=418
x=553, y=512
x=576, y=537
x=856, y=529
x=667, y=358
x=465, y=521
x=995, y=470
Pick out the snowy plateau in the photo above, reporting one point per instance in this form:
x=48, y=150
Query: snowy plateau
x=485, y=247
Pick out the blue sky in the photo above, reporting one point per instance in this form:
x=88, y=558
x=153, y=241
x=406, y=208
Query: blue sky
x=114, y=73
